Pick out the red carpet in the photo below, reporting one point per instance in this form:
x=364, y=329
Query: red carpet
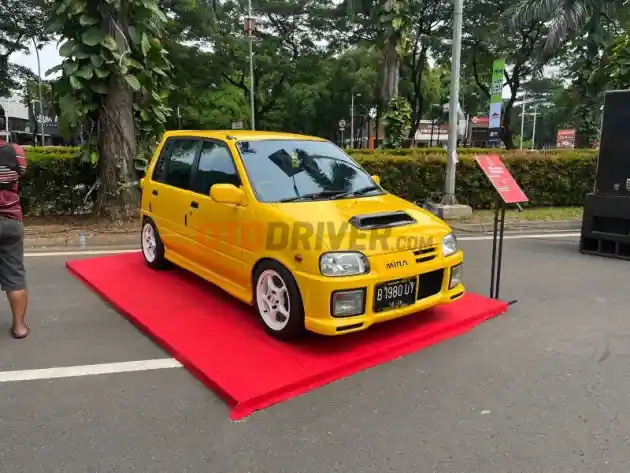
x=220, y=341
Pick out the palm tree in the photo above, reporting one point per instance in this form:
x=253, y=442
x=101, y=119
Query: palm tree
x=586, y=24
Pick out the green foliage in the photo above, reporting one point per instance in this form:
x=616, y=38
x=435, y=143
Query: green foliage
x=554, y=179
x=100, y=44
x=397, y=121
x=57, y=182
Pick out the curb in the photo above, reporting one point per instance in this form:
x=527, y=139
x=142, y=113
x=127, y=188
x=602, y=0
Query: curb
x=550, y=225
x=133, y=239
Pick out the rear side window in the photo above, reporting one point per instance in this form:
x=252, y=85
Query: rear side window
x=180, y=162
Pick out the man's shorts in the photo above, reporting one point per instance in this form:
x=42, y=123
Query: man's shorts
x=12, y=274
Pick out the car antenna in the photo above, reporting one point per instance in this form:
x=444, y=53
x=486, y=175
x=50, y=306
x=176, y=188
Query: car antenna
x=230, y=137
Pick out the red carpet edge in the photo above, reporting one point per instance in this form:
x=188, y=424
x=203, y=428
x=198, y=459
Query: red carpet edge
x=385, y=354
x=392, y=352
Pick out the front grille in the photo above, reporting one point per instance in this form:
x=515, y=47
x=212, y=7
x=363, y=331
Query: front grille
x=424, y=255
x=430, y=283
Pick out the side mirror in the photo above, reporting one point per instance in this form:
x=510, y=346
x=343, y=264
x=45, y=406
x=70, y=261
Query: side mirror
x=377, y=179
x=227, y=194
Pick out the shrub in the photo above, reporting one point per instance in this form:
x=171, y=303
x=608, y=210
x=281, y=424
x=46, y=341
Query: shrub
x=56, y=182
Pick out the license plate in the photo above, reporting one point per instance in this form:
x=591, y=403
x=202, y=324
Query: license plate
x=395, y=294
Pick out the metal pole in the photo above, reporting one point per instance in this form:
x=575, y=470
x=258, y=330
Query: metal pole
x=449, y=188
x=41, y=102
x=522, y=121
x=352, y=121
x=6, y=121
x=251, y=69
x=534, y=130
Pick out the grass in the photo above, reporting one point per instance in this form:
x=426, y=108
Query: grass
x=532, y=214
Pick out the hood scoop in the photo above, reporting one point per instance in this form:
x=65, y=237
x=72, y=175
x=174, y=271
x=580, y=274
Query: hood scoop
x=381, y=220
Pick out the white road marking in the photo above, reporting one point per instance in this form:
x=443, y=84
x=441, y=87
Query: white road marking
x=484, y=237
x=87, y=370
x=520, y=236
x=80, y=252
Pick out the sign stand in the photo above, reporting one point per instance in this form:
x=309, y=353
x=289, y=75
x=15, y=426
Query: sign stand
x=508, y=192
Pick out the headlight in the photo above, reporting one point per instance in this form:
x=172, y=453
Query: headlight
x=343, y=264
x=449, y=245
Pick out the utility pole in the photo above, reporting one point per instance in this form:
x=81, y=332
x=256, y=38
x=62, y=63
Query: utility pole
x=41, y=102
x=250, y=28
x=352, y=121
x=453, y=116
x=522, y=120
x=534, y=130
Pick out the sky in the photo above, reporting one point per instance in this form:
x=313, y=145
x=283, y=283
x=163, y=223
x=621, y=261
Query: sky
x=49, y=57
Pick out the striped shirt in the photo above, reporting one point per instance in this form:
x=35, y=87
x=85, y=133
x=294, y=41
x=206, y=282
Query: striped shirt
x=10, y=206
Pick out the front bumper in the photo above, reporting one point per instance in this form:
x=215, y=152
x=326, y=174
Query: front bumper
x=317, y=291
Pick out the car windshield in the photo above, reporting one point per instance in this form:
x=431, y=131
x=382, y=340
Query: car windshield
x=300, y=170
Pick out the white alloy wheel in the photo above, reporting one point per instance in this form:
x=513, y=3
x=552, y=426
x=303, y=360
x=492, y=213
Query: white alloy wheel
x=273, y=300
x=149, y=243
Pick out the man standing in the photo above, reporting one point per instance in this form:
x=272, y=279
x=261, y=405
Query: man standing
x=12, y=274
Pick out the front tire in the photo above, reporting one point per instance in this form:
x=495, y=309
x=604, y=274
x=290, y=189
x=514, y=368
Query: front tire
x=152, y=246
x=278, y=301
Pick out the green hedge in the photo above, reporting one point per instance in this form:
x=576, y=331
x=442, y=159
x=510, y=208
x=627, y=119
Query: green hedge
x=57, y=183
x=559, y=178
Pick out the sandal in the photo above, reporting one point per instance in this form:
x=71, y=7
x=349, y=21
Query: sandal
x=18, y=337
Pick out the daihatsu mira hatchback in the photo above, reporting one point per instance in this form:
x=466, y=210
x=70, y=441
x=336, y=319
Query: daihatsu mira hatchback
x=293, y=226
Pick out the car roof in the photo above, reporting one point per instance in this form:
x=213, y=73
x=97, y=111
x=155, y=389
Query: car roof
x=241, y=135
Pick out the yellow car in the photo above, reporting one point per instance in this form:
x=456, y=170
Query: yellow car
x=293, y=226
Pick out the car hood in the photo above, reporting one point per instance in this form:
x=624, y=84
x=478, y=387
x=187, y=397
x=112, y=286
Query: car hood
x=330, y=221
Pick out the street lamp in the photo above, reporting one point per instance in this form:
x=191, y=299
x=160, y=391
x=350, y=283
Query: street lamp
x=250, y=29
x=453, y=118
x=352, y=118
x=41, y=102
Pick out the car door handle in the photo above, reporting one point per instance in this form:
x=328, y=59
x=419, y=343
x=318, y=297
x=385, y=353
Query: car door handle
x=194, y=205
x=155, y=192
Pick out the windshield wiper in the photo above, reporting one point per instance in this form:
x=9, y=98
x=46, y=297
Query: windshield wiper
x=312, y=196
x=361, y=191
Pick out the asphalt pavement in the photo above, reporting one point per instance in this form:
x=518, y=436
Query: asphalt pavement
x=542, y=388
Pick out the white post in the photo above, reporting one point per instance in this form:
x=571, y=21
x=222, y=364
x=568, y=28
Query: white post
x=449, y=188
x=6, y=121
x=251, y=69
x=522, y=121
x=41, y=102
x=534, y=130
x=352, y=121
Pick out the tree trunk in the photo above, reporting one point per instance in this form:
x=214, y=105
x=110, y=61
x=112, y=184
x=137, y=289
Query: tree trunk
x=391, y=72
x=118, y=197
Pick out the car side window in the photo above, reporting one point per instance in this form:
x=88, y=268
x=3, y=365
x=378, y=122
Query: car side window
x=216, y=166
x=159, y=172
x=180, y=163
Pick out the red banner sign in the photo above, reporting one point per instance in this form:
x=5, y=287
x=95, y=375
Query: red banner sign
x=501, y=179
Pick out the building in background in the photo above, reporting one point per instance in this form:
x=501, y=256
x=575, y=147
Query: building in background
x=21, y=123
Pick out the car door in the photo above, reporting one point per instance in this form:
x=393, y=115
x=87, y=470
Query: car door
x=217, y=226
x=170, y=194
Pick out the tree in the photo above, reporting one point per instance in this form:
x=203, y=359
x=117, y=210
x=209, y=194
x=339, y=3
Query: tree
x=586, y=26
x=115, y=82
x=21, y=22
x=489, y=36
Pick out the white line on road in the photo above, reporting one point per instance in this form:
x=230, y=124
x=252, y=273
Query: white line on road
x=520, y=236
x=484, y=237
x=87, y=370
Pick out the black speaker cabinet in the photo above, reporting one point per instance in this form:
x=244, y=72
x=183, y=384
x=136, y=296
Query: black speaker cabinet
x=606, y=220
x=613, y=165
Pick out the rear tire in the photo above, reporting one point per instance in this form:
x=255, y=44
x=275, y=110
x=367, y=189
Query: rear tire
x=152, y=246
x=278, y=301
